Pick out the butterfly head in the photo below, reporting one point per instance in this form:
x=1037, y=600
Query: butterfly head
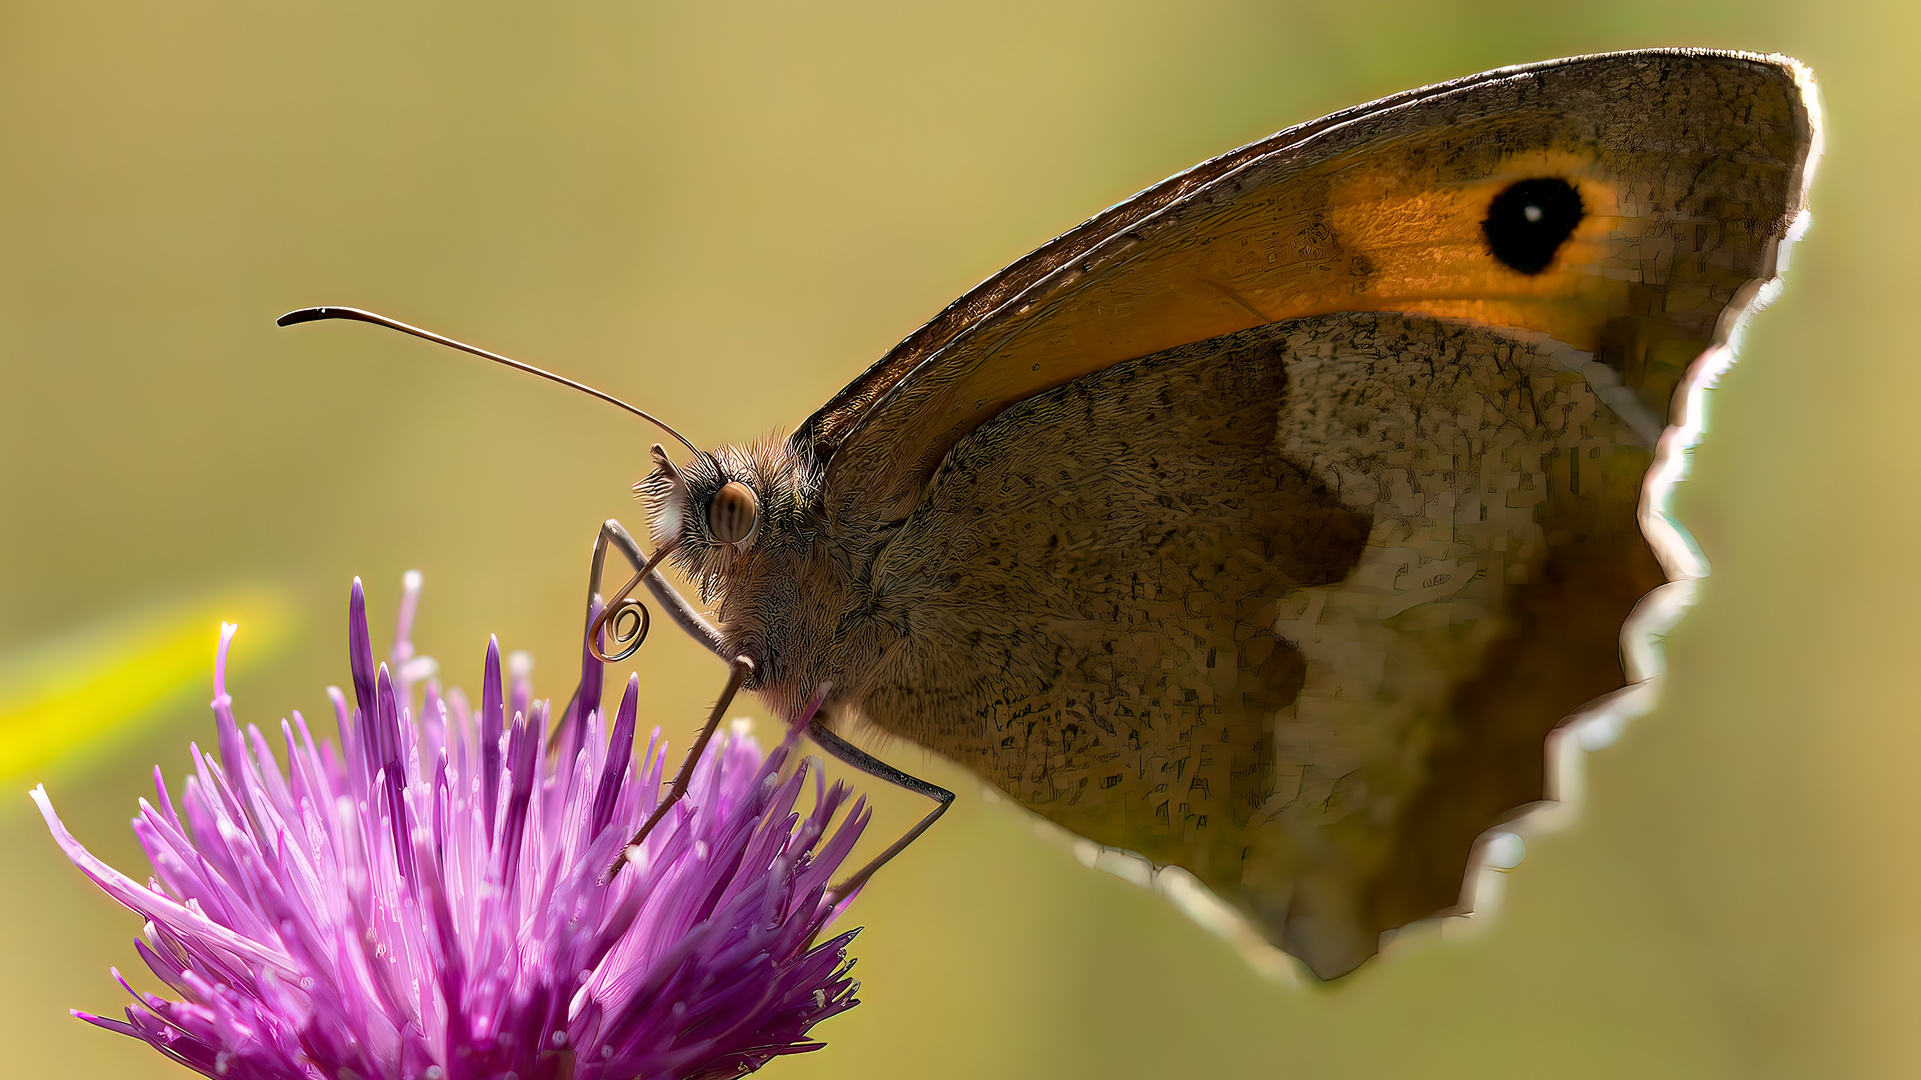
x=721, y=511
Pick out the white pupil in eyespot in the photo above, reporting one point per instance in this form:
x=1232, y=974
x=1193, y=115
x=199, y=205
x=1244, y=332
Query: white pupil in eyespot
x=1532, y=213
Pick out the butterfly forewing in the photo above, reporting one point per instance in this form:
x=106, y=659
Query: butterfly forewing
x=1690, y=167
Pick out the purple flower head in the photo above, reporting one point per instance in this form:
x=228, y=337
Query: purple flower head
x=426, y=902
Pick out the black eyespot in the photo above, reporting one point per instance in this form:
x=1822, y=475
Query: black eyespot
x=1527, y=223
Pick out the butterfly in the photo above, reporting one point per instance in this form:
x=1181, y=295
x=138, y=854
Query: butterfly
x=1272, y=522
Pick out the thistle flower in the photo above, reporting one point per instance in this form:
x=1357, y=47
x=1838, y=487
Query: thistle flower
x=426, y=901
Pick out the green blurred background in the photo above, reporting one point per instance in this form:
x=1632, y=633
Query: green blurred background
x=723, y=212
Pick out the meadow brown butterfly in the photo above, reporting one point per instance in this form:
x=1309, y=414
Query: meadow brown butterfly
x=1270, y=523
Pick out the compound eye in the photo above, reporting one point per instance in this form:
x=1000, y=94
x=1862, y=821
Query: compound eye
x=732, y=514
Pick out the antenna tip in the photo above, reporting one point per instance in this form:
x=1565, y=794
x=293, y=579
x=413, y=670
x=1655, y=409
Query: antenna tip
x=314, y=314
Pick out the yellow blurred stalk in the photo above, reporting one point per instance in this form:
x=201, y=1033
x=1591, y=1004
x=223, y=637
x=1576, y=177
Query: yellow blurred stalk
x=65, y=700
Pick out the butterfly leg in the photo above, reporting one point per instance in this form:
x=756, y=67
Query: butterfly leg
x=678, y=609
x=737, y=674
x=860, y=759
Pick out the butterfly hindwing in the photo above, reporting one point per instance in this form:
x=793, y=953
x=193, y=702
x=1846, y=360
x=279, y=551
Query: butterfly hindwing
x=1254, y=607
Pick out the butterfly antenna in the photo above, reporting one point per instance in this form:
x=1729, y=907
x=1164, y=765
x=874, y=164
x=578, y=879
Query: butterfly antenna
x=315, y=314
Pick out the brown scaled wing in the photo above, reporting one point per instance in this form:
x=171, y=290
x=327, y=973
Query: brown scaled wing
x=1293, y=609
